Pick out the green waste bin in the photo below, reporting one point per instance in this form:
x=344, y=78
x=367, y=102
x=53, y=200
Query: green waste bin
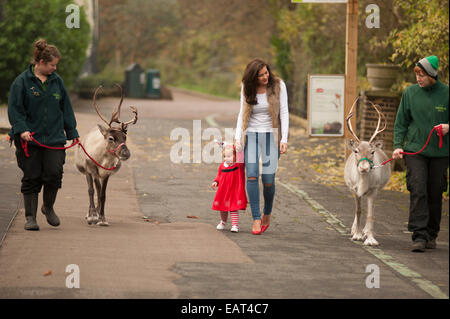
x=153, y=86
x=134, y=81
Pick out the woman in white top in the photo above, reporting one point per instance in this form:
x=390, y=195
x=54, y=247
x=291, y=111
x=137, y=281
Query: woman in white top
x=262, y=129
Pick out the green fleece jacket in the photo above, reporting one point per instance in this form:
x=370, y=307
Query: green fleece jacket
x=45, y=109
x=419, y=111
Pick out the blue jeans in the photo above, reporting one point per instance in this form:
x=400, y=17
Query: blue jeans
x=261, y=145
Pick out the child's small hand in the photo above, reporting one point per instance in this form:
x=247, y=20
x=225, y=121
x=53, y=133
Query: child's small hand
x=214, y=185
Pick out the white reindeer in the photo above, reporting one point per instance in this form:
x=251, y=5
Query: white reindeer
x=364, y=178
x=107, y=146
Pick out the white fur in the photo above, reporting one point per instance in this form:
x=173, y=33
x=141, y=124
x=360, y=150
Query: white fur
x=95, y=145
x=368, y=185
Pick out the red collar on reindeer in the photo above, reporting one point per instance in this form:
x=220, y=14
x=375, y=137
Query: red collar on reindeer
x=116, y=149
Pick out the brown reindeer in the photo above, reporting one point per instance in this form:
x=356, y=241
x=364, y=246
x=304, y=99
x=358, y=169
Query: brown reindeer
x=364, y=176
x=107, y=146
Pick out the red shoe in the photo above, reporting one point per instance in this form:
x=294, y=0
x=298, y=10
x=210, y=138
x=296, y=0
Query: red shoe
x=256, y=232
x=264, y=228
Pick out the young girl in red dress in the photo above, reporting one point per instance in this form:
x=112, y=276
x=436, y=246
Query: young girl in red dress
x=230, y=195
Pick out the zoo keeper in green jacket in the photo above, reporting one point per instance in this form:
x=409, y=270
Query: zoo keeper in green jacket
x=39, y=104
x=424, y=106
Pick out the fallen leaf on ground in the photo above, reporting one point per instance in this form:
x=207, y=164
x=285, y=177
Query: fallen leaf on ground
x=48, y=273
x=196, y=217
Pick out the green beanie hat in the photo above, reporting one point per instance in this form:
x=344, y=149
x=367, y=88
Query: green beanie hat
x=430, y=65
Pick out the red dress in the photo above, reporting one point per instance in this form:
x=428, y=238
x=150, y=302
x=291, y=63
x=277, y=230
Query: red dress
x=230, y=195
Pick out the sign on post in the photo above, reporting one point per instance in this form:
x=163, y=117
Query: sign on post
x=326, y=105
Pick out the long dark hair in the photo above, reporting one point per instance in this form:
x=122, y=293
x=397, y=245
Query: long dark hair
x=250, y=79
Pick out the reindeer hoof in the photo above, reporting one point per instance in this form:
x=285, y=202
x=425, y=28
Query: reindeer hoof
x=92, y=219
x=358, y=237
x=370, y=241
x=102, y=223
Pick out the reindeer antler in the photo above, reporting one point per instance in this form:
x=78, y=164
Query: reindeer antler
x=115, y=117
x=349, y=124
x=116, y=114
x=133, y=121
x=380, y=115
x=96, y=106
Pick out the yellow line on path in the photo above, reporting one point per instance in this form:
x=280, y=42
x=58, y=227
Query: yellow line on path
x=339, y=226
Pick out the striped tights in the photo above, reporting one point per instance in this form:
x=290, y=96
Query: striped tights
x=234, y=217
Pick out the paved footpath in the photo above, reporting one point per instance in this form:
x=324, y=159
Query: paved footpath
x=129, y=259
x=153, y=247
x=10, y=196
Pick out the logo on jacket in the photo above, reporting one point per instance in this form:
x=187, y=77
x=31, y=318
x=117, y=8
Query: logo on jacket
x=57, y=96
x=35, y=93
x=440, y=108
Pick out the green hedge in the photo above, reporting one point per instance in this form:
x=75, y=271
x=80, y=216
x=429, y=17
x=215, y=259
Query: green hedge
x=24, y=22
x=86, y=86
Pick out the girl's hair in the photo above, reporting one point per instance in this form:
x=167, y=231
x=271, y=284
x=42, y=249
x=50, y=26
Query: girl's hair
x=419, y=70
x=250, y=79
x=229, y=146
x=44, y=51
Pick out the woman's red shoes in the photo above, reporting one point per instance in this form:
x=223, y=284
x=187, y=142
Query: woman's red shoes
x=256, y=232
x=264, y=228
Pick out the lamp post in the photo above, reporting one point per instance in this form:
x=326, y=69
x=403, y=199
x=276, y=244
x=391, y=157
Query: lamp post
x=351, y=55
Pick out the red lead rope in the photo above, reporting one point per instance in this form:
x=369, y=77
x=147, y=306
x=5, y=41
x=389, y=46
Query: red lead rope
x=25, y=149
x=97, y=163
x=25, y=145
x=439, y=131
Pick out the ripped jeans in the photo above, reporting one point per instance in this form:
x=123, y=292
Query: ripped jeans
x=261, y=145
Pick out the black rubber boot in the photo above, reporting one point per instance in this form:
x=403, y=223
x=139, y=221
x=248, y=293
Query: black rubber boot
x=31, y=204
x=47, y=207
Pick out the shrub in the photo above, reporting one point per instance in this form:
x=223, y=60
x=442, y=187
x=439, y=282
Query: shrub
x=86, y=86
x=23, y=22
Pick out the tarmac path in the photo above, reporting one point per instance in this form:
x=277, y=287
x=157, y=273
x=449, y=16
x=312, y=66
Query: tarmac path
x=162, y=241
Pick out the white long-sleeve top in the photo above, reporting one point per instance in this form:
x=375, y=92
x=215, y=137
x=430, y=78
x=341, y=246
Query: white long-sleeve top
x=260, y=119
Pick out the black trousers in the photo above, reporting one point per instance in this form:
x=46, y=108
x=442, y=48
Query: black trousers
x=426, y=180
x=44, y=167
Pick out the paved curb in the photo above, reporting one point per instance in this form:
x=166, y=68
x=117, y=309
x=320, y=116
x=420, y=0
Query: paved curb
x=13, y=217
